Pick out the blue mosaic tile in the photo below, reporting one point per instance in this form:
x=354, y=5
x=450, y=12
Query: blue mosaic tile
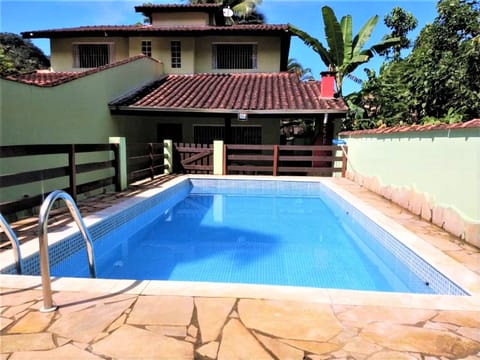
x=385, y=243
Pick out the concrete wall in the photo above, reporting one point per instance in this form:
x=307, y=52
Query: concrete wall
x=74, y=112
x=433, y=172
x=182, y=18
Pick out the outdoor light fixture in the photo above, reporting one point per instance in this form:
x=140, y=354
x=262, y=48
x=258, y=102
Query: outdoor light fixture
x=242, y=117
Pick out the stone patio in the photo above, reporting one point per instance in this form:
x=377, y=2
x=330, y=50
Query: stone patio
x=100, y=319
x=124, y=326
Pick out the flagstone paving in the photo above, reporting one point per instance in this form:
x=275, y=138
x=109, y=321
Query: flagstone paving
x=91, y=324
x=153, y=327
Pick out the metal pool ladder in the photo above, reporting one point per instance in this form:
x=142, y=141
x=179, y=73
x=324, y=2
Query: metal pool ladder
x=43, y=238
x=15, y=244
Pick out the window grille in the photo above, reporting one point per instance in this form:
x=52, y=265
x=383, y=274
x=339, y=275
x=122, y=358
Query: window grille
x=240, y=134
x=147, y=48
x=234, y=56
x=176, y=50
x=92, y=55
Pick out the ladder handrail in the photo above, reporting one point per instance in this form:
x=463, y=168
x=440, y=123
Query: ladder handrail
x=15, y=244
x=43, y=238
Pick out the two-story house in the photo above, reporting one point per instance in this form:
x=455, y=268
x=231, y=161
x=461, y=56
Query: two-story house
x=200, y=79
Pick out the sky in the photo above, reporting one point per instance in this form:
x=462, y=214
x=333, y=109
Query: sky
x=17, y=16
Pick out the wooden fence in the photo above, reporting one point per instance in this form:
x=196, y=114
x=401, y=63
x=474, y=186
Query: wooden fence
x=193, y=158
x=147, y=160
x=70, y=151
x=144, y=160
x=276, y=160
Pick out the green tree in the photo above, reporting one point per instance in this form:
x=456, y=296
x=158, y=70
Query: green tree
x=244, y=11
x=442, y=70
x=6, y=65
x=401, y=23
x=19, y=55
x=303, y=73
x=439, y=80
x=345, y=52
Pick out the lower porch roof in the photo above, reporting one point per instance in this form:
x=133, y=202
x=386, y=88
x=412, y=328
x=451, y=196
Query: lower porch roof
x=261, y=94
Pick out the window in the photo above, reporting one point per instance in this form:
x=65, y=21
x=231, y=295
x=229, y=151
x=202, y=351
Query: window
x=92, y=55
x=147, y=47
x=239, y=134
x=176, y=49
x=234, y=56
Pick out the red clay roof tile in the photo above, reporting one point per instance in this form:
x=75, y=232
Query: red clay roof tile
x=54, y=78
x=255, y=92
x=137, y=30
x=475, y=123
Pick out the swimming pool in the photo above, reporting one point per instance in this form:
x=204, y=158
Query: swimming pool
x=260, y=264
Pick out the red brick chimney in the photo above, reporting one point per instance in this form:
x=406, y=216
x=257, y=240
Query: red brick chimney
x=327, y=84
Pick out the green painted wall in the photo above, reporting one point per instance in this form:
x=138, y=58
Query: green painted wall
x=73, y=112
x=444, y=164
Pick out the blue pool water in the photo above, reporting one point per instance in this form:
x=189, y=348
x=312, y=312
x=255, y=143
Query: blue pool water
x=276, y=235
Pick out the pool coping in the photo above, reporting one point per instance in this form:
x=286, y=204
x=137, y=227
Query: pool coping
x=452, y=269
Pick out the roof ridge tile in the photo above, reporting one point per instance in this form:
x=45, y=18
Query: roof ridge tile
x=474, y=123
x=54, y=78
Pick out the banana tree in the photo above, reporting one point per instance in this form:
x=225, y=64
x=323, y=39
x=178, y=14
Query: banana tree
x=345, y=52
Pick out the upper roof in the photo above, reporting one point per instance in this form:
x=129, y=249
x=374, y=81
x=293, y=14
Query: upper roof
x=149, y=30
x=253, y=93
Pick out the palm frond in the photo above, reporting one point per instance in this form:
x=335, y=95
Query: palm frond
x=346, y=25
x=364, y=34
x=334, y=35
x=312, y=42
x=385, y=44
x=245, y=7
x=354, y=63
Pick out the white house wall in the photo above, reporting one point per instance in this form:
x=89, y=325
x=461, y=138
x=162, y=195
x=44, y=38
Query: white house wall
x=62, y=50
x=268, y=50
x=196, y=51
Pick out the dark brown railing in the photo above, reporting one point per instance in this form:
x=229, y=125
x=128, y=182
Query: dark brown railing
x=72, y=170
x=144, y=160
x=284, y=160
x=193, y=158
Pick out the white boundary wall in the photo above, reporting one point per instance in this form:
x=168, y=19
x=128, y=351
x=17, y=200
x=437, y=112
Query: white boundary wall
x=433, y=171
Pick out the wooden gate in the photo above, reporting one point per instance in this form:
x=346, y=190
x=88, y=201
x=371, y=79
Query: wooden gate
x=193, y=158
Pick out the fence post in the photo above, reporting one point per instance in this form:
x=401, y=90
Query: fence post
x=344, y=160
x=218, y=157
x=168, y=156
x=122, y=161
x=275, y=160
x=72, y=178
